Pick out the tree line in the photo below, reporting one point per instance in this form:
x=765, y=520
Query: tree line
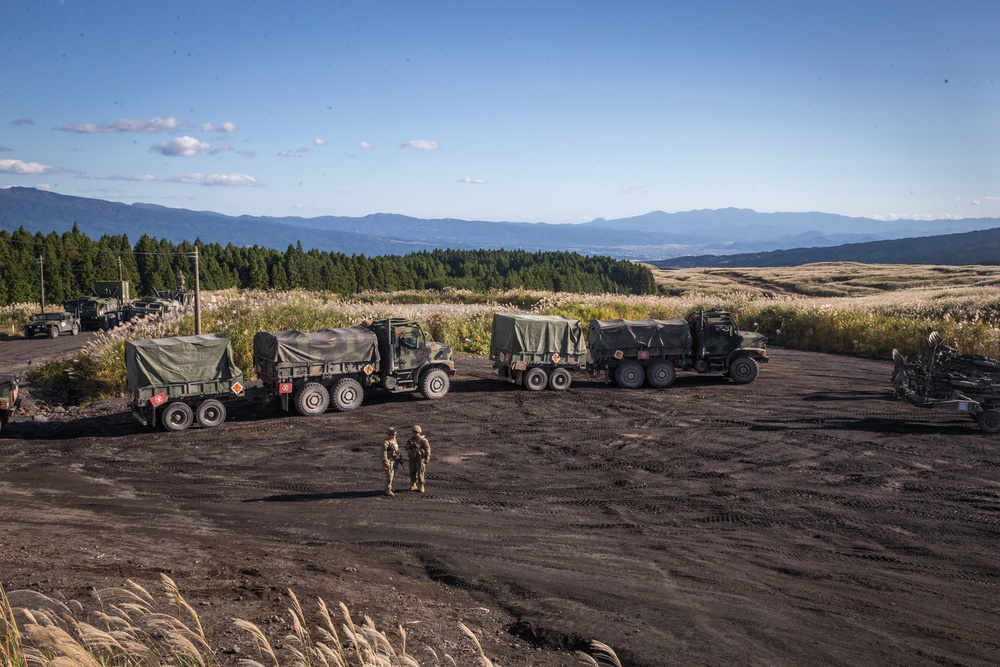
x=70, y=264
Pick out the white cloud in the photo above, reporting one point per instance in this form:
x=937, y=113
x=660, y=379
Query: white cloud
x=28, y=168
x=421, y=145
x=226, y=127
x=227, y=180
x=288, y=154
x=319, y=142
x=153, y=125
x=366, y=146
x=181, y=147
x=473, y=181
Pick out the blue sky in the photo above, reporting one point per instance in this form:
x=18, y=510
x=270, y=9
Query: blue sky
x=519, y=111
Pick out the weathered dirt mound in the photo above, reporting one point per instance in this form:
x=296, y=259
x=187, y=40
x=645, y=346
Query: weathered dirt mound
x=806, y=518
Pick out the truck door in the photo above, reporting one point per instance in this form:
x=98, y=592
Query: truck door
x=408, y=347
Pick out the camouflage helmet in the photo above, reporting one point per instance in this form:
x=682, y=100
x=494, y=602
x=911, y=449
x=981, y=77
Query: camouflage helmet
x=417, y=429
x=390, y=431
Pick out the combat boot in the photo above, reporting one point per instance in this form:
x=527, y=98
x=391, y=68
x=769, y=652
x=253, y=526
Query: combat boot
x=421, y=488
x=389, y=492
x=413, y=487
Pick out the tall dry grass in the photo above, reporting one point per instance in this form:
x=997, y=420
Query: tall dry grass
x=132, y=628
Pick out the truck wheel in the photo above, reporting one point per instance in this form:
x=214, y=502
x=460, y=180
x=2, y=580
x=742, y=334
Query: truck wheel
x=989, y=421
x=630, y=375
x=176, y=416
x=312, y=399
x=743, y=370
x=535, y=379
x=661, y=374
x=211, y=413
x=347, y=395
x=74, y=330
x=435, y=384
x=560, y=379
x=53, y=332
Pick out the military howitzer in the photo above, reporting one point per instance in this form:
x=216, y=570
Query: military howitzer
x=944, y=379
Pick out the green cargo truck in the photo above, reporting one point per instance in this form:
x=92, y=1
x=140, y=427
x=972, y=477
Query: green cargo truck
x=635, y=351
x=9, y=400
x=537, y=351
x=313, y=370
x=175, y=381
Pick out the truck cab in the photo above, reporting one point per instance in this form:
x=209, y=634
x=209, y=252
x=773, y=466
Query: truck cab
x=409, y=360
x=719, y=345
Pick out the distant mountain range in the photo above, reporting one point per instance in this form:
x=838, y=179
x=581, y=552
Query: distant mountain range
x=654, y=236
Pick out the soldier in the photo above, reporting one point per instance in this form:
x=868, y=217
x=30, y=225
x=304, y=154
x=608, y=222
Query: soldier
x=390, y=459
x=419, y=452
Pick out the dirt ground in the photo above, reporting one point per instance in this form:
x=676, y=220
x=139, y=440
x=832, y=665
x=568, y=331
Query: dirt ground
x=806, y=518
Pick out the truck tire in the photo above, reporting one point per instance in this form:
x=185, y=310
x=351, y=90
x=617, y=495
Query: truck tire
x=535, y=379
x=312, y=399
x=630, y=375
x=435, y=384
x=347, y=395
x=743, y=370
x=661, y=374
x=989, y=421
x=210, y=413
x=176, y=416
x=560, y=380
x=75, y=329
x=53, y=332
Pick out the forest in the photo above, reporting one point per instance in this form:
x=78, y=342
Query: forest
x=71, y=262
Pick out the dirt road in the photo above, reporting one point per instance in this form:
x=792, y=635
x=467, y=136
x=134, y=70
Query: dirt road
x=806, y=518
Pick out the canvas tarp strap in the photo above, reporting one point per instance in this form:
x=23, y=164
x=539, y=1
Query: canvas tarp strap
x=648, y=333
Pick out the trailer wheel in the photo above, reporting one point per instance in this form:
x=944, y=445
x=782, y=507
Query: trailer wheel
x=535, y=379
x=560, y=379
x=743, y=370
x=630, y=375
x=176, y=416
x=347, y=395
x=989, y=421
x=211, y=413
x=53, y=332
x=435, y=384
x=661, y=374
x=312, y=399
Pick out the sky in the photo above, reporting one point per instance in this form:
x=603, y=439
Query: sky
x=551, y=111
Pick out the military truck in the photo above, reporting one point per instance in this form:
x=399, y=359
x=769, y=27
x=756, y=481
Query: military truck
x=636, y=351
x=52, y=324
x=944, y=379
x=338, y=365
x=537, y=351
x=150, y=306
x=175, y=381
x=105, y=308
x=9, y=400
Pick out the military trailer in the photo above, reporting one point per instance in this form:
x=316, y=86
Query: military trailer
x=52, y=324
x=946, y=380
x=175, y=381
x=537, y=351
x=336, y=366
x=9, y=400
x=632, y=352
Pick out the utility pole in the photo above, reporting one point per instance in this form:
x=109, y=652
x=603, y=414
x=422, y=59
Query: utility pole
x=197, y=295
x=41, y=281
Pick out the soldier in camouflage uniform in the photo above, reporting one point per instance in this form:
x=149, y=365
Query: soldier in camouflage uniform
x=390, y=457
x=419, y=452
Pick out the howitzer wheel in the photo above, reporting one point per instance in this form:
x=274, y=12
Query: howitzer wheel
x=743, y=370
x=989, y=421
x=536, y=379
x=630, y=375
x=435, y=384
x=560, y=380
x=211, y=413
x=347, y=395
x=176, y=416
x=312, y=399
x=661, y=374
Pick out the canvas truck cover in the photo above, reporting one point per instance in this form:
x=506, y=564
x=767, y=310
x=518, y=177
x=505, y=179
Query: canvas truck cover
x=184, y=359
x=632, y=334
x=536, y=336
x=348, y=345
